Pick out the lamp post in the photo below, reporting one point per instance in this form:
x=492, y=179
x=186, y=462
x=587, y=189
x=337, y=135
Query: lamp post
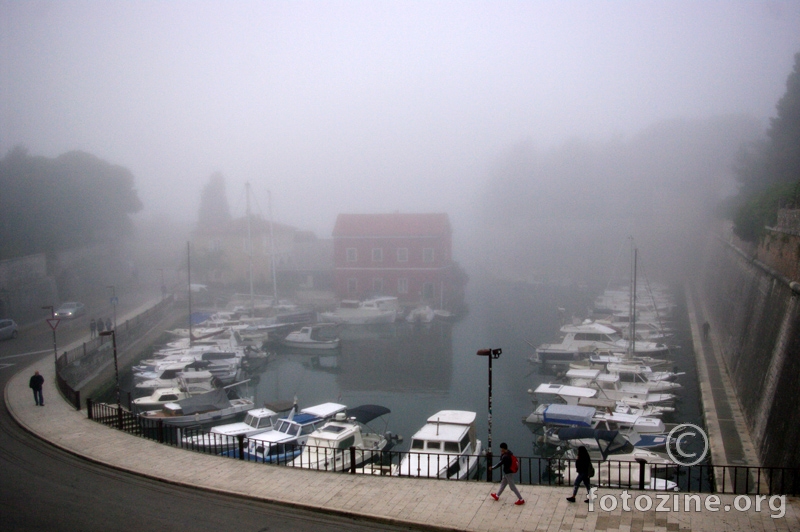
x=53, y=324
x=113, y=334
x=114, y=303
x=490, y=354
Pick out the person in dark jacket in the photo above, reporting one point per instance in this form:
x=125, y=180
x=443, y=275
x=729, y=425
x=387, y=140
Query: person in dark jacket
x=36, y=383
x=508, y=476
x=582, y=465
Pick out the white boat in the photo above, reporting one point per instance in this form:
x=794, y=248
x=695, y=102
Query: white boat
x=581, y=340
x=641, y=373
x=446, y=447
x=256, y=421
x=285, y=441
x=329, y=447
x=206, y=408
x=611, y=387
x=371, y=311
x=421, y=314
x=158, y=398
x=581, y=395
x=190, y=381
x=547, y=418
x=309, y=337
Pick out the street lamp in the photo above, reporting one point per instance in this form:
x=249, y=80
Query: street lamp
x=53, y=324
x=490, y=354
x=113, y=334
x=114, y=302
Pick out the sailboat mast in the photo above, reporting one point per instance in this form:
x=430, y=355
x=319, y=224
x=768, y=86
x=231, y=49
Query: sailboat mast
x=633, y=303
x=272, y=250
x=249, y=246
x=189, y=276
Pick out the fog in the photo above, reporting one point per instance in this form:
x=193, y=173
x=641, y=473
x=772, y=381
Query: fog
x=515, y=118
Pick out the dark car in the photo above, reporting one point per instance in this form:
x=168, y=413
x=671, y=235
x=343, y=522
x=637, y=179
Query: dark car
x=71, y=309
x=8, y=329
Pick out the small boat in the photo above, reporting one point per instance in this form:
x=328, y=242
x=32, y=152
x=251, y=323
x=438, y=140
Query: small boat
x=309, y=337
x=329, y=447
x=206, y=408
x=609, y=385
x=256, y=421
x=283, y=443
x=421, y=314
x=371, y=311
x=446, y=447
x=158, y=398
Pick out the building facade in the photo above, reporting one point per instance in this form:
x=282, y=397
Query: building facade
x=404, y=255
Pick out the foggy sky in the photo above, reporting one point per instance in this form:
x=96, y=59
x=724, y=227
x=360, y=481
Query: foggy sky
x=368, y=106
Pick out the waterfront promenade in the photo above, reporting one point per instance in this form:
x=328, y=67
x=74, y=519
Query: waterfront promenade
x=425, y=504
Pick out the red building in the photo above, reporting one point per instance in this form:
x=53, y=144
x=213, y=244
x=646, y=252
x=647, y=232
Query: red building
x=403, y=255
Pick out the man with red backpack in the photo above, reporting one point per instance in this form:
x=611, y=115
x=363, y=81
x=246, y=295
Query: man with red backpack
x=510, y=465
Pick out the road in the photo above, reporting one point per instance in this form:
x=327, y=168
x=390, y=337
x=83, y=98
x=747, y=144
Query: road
x=44, y=488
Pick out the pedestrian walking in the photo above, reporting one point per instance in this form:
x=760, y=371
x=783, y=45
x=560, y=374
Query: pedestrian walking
x=36, y=383
x=583, y=465
x=93, y=327
x=100, y=325
x=510, y=465
x=108, y=324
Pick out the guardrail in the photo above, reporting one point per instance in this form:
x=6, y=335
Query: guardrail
x=533, y=470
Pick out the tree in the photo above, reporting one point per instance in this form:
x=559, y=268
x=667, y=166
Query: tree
x=73, y=200
x=769, y=171
x=214, y=213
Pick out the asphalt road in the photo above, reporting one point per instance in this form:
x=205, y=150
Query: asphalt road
x=44, y=488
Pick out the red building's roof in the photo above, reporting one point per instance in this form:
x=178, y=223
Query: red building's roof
x=394, y=224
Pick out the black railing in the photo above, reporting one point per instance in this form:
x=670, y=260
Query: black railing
x=533, y=470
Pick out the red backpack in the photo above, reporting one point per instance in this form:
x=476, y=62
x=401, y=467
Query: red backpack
x=514, y=463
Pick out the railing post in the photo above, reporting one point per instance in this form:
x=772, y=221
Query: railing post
x=89, y=409
x=352, y=460
x=160, y=430
x=119, y=417
x=240, y=437
x=78, y=399
x=642, y=463
x=489, y=469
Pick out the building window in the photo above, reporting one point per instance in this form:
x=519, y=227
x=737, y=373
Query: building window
x=427, y=291
x=352, y=286
x=377, y=286
x=427, y=254
x=377, y=254
x=402, y=254
x=402, y=286
x=352, y=256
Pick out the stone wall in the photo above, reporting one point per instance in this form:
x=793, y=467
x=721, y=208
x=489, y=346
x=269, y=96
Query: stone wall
x=755, y=312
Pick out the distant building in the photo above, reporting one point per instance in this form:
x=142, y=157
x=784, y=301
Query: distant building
x=403, y=255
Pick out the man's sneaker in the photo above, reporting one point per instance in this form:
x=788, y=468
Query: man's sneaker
x=520, y=502
x=586, y=500
x=571, y=499
x=495, y=497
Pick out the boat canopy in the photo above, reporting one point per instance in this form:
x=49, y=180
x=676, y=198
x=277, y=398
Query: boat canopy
x=608, y=441
x=205, y=402
x=366, y=413
x=568, y=415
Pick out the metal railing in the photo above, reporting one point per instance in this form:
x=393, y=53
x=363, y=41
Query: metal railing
x=533, y=470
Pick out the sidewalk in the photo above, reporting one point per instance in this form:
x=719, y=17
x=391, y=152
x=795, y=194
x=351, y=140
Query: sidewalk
x=428, y=504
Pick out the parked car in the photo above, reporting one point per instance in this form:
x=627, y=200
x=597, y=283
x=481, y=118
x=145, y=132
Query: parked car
x=8, y=329
x=71, y=309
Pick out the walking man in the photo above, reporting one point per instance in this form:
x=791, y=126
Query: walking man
x=36, y=385
x=507, y=458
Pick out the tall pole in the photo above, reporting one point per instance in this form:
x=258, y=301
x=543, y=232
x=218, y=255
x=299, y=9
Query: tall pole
x=189, y=276
x=114, y=303
x=53, y=326
x=490, y=354
x=272, y=250
x=113, y=334
x=249, y=248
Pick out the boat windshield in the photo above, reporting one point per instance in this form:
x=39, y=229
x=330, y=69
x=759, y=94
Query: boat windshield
x=336, y=429
x=287, y=427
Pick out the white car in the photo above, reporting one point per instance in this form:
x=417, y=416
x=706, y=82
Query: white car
x=8, y=329
x=71, y=309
